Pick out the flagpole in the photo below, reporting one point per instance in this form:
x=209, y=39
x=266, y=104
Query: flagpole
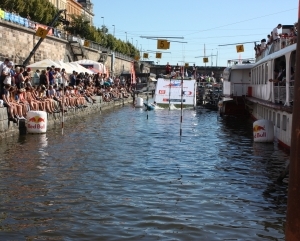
x=292, y=230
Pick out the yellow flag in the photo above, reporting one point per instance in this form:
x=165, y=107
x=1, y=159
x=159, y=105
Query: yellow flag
x=239, y=48
x=162, y=44
x=41, y=32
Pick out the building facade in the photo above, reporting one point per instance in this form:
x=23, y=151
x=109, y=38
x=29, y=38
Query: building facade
x=87, y=10
x=59, y=4
x=73, y=7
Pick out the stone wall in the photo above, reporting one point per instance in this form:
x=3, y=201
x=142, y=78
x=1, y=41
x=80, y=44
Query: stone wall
x=9, y=129
x=17, y=42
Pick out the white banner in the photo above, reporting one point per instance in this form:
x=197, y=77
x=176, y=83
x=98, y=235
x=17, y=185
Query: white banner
x=166, y=89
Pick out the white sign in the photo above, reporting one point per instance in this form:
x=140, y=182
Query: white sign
x=171, y=90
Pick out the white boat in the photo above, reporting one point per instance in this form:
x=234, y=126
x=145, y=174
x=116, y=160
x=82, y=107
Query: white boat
x=262, y=98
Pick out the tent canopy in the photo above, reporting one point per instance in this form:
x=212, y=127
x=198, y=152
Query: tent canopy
x=43, y=64
x=80, y=68
x=93, y=64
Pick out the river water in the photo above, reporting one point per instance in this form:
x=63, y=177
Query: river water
x=119, y=176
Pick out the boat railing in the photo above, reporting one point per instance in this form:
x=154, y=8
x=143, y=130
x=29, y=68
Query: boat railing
x=280, y=93
x=291, y=93
x=275, y=46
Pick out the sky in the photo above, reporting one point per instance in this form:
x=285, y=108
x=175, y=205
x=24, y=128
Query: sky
x=202, y=25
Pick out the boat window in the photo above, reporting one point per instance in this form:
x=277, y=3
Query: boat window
x=262, y=74
x=293, y=68
x=284, y=122
x=278, y=120
x=266, y=73
x=256, y=75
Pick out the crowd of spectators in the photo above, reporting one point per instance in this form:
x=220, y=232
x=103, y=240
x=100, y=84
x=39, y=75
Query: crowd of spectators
x=280, y=39
x=53, y=90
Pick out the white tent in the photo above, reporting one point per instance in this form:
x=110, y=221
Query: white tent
x=80, y=68
x=43, y=64
x=69, y=69
x=94, y=64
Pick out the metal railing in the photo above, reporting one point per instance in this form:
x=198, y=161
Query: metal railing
x=280, y=94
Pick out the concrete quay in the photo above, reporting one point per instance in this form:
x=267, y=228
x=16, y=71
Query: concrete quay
x=9, y=129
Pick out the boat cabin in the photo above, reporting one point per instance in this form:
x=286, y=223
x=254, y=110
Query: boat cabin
x=236, y=79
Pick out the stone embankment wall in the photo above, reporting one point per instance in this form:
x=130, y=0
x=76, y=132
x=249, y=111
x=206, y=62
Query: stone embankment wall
x=8, y=128
x=17, y=42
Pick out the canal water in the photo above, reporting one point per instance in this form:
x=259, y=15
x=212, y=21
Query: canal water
x=119, y=176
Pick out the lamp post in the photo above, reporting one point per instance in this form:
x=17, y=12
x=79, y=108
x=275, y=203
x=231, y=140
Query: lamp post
x=126, y=36
x=103, y=20
x=114, y=30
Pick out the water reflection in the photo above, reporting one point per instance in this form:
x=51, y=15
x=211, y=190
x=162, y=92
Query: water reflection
x=119, y=176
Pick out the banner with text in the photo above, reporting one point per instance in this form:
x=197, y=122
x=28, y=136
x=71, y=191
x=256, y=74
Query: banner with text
x=166, y=89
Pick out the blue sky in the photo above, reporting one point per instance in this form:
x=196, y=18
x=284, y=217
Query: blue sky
x=210, y=23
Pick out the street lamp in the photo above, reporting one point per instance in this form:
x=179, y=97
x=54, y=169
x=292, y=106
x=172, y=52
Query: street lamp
x=103, y=20
x=114, y=30
x=126, y=36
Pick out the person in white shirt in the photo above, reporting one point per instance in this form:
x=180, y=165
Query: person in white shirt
x=275, y=33
x=6, y=72
x=36, y=77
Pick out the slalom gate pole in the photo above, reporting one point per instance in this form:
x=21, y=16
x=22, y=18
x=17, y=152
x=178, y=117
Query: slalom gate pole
x=181, y=104
x=147, y=97
x=170, y=93
x=63, y=110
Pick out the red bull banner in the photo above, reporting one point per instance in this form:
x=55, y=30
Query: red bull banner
x=36, y=122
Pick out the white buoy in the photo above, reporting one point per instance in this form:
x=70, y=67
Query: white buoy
x=36, y=122
x=263, y=131
x=139, y=102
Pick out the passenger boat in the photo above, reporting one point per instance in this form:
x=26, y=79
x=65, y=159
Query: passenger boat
x=249, y=88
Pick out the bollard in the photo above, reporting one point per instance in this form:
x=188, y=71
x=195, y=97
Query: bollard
x=22, y=127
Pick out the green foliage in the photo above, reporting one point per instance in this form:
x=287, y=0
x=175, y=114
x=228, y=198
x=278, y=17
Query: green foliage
x=42, y=11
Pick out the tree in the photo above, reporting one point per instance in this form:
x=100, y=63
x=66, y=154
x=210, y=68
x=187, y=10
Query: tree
x=79, y=26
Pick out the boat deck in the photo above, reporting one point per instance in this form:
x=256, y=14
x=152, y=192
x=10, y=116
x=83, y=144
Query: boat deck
x=275, y=106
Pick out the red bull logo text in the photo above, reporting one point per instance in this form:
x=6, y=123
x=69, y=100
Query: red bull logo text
x=38, y=123
x=257, y=131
